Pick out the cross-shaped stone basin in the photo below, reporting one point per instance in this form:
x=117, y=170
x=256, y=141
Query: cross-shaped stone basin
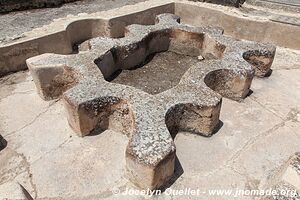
x=96, y=100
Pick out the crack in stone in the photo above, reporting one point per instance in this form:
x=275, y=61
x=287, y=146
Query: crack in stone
x=264, y=107
x=248, y=144
x=24, y=163
x=16, y=93
x=253, y=140
x=291, y=116
x=33, y=120
x=52, y=150
x=27, y=167
x=19, y=166
x=229, y=163
x=23, y=92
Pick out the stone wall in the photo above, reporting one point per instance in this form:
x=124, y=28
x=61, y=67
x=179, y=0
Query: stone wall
x=236, y=3
x=13, y=5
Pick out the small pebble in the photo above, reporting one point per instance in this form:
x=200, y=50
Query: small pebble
x=200, y=57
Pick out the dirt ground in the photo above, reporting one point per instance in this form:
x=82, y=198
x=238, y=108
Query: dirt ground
x=162, y=71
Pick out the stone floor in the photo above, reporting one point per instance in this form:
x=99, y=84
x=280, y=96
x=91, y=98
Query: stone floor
x=43, y=155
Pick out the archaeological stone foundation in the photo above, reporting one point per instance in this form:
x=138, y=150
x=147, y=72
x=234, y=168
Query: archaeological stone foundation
x=79, y=58
x=151, y=121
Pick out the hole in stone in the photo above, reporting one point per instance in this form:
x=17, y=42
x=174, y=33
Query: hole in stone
x=3, y=143
x=228, y=84
x=158, y=73
x=157, y=62
x=217, y=80
x=193, y=119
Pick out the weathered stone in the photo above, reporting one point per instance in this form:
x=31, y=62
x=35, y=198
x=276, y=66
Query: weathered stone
x=63, y=34
x=151, y=121
x=287, y=181
x=284, y=191
x=291, y=174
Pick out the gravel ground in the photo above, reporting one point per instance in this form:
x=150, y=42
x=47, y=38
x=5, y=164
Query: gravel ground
x=161, y=73
x=12, y=25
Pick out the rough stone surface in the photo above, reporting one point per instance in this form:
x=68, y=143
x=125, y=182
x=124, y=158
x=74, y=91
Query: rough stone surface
x=15, y=24
x=287, y=181
x=292, y=172
x=151, y=121
x=62, y=35
x=244, y=153
x=281, y=190
x=161, y=72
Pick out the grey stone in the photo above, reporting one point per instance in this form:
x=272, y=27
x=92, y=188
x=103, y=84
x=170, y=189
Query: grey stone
x=291, y=174
x=150, y=121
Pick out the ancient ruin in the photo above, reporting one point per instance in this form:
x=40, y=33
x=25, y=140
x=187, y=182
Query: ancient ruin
x=150, y=121
x=109, y=99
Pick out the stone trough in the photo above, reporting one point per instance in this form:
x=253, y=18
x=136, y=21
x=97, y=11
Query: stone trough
x=95, y=103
